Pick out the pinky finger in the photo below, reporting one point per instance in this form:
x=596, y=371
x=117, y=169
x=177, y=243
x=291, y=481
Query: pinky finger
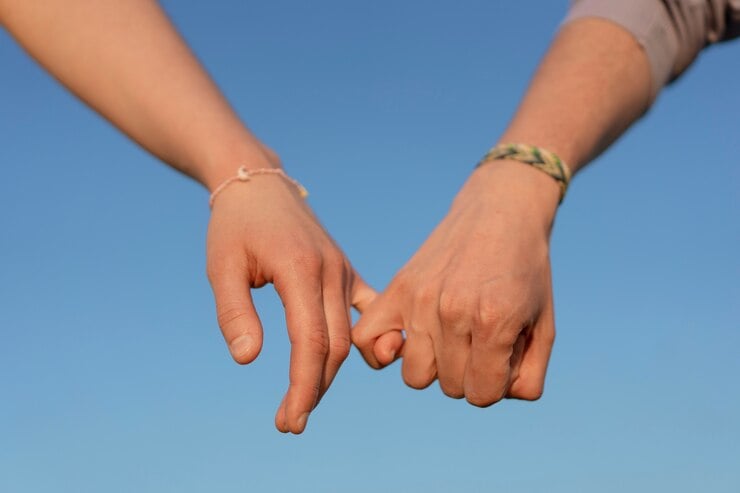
x=529, y=383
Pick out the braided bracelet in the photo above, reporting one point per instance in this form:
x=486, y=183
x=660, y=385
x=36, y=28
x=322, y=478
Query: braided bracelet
x=244, y=174
x=541, y=159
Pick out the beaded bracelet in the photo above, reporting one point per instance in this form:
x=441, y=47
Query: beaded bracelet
x=541, y=159
x=244, y=174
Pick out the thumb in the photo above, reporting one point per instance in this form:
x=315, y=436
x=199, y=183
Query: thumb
x=389, y=347
x=239, y=322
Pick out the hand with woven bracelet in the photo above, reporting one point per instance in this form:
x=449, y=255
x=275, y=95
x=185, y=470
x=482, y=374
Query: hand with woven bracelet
x=475, y=300
x=473, y=307
x=126, y=61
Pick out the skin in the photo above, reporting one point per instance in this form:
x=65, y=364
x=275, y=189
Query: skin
x=475, y=301
x=126, y=61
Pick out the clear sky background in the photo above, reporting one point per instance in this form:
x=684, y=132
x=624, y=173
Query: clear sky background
x=114, y=376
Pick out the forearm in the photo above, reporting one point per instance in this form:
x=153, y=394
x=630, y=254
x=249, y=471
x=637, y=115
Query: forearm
x=126, y=60
x=593, y=83
x=591, y=86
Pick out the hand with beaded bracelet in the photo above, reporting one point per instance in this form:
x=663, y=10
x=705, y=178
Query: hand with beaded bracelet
x=126, y=61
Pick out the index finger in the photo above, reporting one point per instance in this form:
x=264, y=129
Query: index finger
x=301, y=293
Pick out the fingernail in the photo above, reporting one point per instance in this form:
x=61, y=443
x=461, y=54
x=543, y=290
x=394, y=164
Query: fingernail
x=302, y=421
x=241, y=346
x=393, y=355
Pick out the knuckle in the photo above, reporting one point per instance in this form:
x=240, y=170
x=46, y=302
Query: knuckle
x=416, y=383
x=339, y=348
x=315, y=342
x=491, y=313
x=426, y=294
x=533, y=394
x=335, y=260
x=303, y=388
x=216, y=267
x=454, y=307
x=360, y=337
x=529, y=391
x=306, y=263
x=451, y=389
x=498, y=325
x=482, y=399
x=417, y=380
x=486, y=338
x=228, y=313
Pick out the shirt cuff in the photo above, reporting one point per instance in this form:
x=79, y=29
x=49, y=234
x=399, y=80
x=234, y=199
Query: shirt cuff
x=648, y=21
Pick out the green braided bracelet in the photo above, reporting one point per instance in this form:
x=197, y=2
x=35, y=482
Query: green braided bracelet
x=541, y=159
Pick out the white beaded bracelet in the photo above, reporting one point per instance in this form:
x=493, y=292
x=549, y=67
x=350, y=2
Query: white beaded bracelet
x=244, y=174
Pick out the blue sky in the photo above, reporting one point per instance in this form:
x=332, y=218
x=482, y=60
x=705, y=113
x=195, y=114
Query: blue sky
x=114, y=376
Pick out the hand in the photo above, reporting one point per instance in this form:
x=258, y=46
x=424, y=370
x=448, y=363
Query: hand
x=475, y=302
x=263, y=232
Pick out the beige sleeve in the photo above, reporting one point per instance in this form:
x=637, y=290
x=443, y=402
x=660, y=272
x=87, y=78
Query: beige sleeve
x=672, y=32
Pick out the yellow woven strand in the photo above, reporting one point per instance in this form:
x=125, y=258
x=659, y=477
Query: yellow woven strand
x=542, y=159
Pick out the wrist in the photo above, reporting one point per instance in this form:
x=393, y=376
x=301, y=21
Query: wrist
x=224, y=163
x=515, y=187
